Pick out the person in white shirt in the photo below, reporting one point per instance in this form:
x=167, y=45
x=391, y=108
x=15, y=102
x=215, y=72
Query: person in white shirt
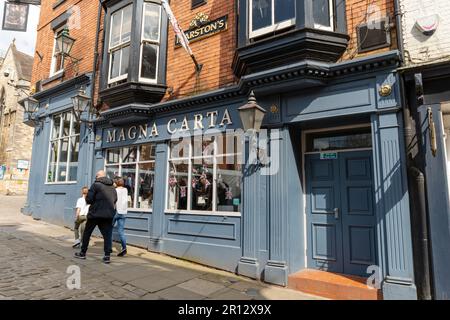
x=82, y=209
x=120, y=217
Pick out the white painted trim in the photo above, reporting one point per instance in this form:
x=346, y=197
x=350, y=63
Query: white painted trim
x=204, y=213
x=273, y=27
x=331, y=18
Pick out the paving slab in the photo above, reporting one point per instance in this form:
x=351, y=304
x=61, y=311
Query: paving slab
x=201, y=287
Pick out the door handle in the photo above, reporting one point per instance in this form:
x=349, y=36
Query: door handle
x=336, y=213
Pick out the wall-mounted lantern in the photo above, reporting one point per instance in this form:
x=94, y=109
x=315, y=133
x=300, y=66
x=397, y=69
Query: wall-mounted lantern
x=81, y=103
x=31, y=106
x=251, y=114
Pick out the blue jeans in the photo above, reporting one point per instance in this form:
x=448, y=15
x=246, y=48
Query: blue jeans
x=120, y=219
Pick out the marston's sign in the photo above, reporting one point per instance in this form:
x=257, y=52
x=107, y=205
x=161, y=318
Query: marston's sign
x=206, y=29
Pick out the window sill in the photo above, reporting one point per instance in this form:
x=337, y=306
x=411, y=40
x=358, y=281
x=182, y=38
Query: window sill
x=204, y=213
x=133, y=92
x=55, y=76
x=288, y=47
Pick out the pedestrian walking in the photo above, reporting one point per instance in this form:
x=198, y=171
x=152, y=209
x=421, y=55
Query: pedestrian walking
x=102, y=198
x=121, y=214
x=82, y=209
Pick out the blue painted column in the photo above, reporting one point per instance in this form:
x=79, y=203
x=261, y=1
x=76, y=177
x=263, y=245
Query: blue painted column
x=276, y=270
x=156, y=226
x=248, y=264
x=392, y=207
x=438, y=200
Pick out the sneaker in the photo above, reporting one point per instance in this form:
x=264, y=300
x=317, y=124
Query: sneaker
x=122, y=253
x=80, y=255
x=106, y=259
x=76, y=244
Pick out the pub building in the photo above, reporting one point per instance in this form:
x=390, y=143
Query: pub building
x=333, y=195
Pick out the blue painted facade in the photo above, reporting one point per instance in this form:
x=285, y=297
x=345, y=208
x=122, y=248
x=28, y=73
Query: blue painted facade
x=267, y=240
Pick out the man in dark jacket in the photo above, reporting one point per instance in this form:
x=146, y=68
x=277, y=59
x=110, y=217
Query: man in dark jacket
x=102, y=198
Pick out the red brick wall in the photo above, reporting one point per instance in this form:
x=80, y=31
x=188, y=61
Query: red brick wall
x=215, y=53
x=84, y=45
x=358, y=13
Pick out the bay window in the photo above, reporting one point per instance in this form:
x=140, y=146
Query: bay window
x=64, y=149
x=150, y=39
x=205, y=174
x=136, y=166
x=270, y=15
x=119, y=44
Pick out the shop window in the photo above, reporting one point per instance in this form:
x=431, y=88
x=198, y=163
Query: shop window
x=64, y=149
x=270, y=15
x=119, y=44
x=205, y=174
x=136, y=166
x=150, y=40
x=57, y=63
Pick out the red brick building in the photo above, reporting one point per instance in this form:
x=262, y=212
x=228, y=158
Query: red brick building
x=324, y=71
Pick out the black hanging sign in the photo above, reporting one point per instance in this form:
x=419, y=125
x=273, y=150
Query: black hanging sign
x=15, y=16
x=201, y=27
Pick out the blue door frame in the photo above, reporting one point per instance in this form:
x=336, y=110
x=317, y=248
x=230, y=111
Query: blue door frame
x=340, y=212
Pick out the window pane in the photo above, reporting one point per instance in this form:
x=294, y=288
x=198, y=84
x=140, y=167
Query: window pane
x=125, y=60
x=129, y=178
x=126, y=24
x=129, y=154
x=229, y=186
x=51, y=174
x=149, y=60
x=284, y=10
x=178, y=185
x=113, y=156
x=202, y=186
x=180, y=149
x=261, y=14
x=151, y=22
x=147, y=152
x=75, y=127
x=115, y=29
x=112, y=171
x=62, y=161
x=321, y=12
x=203, y=146
x=229, y=144
x=66, y=124
x=145, y=185
x=56, y=126
x=115, y=64
x=339, y=141
x=73, y=162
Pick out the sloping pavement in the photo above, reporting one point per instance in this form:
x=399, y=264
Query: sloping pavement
x=36, y=262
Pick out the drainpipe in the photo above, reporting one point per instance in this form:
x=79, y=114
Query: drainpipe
x=419, y=221
x=94, y=79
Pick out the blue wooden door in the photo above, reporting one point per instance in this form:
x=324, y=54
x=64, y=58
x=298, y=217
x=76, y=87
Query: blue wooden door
x=340, y=213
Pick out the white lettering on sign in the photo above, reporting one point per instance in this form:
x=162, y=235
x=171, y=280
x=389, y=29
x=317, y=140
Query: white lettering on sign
x=199, y=122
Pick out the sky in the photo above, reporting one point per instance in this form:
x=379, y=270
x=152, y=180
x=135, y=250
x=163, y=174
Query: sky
x=25, y=41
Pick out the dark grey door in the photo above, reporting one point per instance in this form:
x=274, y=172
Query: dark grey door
x=340, y=212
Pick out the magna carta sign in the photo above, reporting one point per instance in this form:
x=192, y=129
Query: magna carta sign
x=201, y=27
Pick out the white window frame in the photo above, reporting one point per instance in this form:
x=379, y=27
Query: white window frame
x=119, y=46
x=136, y=164
x=54, y=72
x=273, y=27
x=59, y=138
x=331, y=18
x=157, y=43
x=190, y=159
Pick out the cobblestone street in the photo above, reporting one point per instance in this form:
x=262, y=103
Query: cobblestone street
x=35, y=257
